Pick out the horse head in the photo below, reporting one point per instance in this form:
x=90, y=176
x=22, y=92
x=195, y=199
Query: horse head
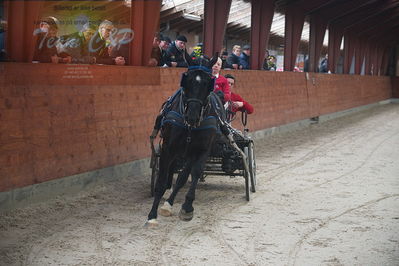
x=197, y=84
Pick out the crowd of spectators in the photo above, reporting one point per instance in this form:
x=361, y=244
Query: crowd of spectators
x=93, y=44
x=173, y=54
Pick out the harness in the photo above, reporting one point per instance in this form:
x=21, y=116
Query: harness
x=212, y=114
x=176, y=116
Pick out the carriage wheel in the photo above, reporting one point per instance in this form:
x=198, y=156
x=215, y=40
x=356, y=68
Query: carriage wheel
x=246, y=176
x=252, y=165
x=155, y=168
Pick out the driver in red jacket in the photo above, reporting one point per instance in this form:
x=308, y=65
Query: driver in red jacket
x=238, y=103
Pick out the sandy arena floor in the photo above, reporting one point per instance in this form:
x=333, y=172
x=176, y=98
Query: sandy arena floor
x=326, y=195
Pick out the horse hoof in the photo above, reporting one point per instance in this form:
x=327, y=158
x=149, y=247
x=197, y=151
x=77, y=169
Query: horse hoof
x=151, y=223
x=166, y=209
x=185, y=216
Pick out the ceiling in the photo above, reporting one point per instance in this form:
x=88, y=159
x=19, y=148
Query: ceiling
x=372, y=19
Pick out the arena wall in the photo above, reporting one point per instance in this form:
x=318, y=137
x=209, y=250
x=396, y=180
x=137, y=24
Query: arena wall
x=63, y=120
x=395, y=87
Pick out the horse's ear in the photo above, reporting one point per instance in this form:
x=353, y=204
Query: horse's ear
x=183, y=81
x=188, y=58
x=214, y=59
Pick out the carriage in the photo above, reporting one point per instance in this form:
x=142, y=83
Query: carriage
x=224, y=159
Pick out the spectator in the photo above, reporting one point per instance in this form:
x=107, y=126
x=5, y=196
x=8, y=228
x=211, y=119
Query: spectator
x=233, y=60
x=198, y=51
x=267, y=53
x=324, y=65
x=176, y=52
x=297, y=69
x=3, y=55
x=265, y=66
x=155, y=59
x=164, y=43
x=224, y=60
x=238, y=103
x=46, y=43
x=163, y=46
x=244, y=57
x=221, y=83
x=306, y=64
x=270, y=63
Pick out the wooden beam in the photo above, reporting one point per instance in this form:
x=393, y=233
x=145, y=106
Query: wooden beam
x=318, y=28
x=171, y=17
x=262, y=12
x=215, y=21
x=294, y=20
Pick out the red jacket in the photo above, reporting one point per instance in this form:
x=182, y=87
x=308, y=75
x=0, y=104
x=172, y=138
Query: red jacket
x=246, y=107
x=221, y=84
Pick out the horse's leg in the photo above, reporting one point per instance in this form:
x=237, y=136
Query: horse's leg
x=166, y=209
x=160, y=186
x=187, y=210
x=180, y=181
x=169, y=188
x=172, y=170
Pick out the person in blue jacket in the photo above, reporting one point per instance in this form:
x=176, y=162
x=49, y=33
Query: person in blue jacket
x=244, y=57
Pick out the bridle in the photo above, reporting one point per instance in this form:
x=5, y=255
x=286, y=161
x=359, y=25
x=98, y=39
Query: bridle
x=204, y=105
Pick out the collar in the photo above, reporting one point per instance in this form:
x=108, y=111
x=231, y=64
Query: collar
x=200, y=67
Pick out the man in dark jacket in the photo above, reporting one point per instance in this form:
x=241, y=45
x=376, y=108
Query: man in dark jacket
x=176, y=54
x=244, y=57
x=324, y=64
x=163, y=46
x=233, y=60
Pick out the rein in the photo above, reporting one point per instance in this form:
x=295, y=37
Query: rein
x=204, y=107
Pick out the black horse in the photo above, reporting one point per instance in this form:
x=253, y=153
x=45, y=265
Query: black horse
x=188, y=130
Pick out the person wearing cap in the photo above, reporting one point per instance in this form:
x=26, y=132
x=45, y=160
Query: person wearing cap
x=163, y=47
x=225, y=54
x=164, y=42
x=233, y=60
x=270, y=63
x=237, y=102
x=244, y=57
x=176, y=54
